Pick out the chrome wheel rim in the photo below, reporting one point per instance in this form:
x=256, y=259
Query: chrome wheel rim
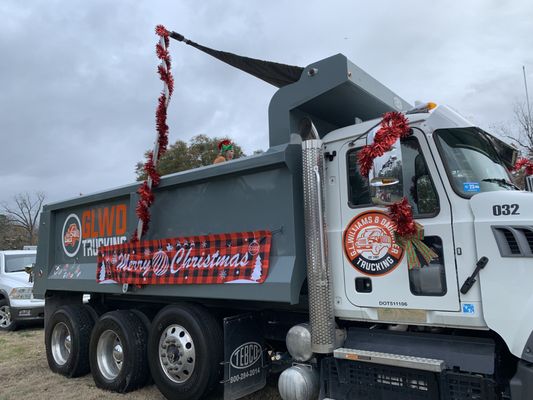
x=109, y=355
x=61, y=343
x=5, y=316
x=177, y=355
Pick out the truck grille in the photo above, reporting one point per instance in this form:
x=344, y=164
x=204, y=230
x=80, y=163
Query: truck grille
x=514, y=241
x=353, y=380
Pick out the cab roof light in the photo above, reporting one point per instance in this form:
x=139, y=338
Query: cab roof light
x=422, y=108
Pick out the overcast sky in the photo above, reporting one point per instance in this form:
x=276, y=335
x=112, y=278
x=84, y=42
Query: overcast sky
x=78, y=86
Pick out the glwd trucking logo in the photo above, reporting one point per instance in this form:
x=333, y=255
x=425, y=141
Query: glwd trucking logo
x=369, y=244
x=71, y=235
x=99, y=226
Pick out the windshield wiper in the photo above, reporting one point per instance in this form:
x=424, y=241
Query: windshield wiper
x=502, y=182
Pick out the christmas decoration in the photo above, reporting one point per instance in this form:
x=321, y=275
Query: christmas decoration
x=200, y=260
x=161, y=263
x=102, y=274
x=394, y=126
x=524, y=163
x=256, y=273
x=146, y=196
x=253, y=248
x=225, y=145
x=409, y=234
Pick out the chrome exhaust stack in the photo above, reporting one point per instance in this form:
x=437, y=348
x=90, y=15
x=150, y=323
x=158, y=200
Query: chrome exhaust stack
x=321, y=315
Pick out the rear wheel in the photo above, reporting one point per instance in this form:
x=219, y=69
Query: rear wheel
x=185, y=351
x=6, y=320
x=118, y=352
x=67, y=337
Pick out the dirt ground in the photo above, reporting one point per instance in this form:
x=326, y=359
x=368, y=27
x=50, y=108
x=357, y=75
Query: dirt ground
x=24, y=374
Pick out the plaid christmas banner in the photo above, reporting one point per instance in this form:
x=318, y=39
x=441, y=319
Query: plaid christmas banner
x=222, y=258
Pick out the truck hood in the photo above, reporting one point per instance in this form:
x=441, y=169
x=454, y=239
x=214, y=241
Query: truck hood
x=503, y=224
x=16, y=279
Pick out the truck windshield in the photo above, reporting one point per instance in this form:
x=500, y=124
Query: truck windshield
x=471, y=162
x=17, y=263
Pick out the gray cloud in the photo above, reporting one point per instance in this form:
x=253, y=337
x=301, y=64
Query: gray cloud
x=78, y=87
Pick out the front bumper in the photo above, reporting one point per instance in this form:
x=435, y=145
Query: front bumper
x=27, y=310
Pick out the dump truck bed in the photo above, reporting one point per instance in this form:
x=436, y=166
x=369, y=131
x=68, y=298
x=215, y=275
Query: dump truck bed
x=262, y=192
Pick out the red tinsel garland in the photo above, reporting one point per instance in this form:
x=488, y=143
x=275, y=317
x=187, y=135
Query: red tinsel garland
x=151, y=171
x=146, y=196
x=402, y=215
x=394, y=126
x=524, y=163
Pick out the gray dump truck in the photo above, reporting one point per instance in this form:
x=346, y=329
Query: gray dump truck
x=285, y=262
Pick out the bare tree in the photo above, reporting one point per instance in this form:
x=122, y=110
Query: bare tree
x=25, y=212
x=522, y=135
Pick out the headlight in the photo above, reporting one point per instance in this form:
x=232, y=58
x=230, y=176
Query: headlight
x=21, y=293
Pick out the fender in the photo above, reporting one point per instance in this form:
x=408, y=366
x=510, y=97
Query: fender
x=505, y=281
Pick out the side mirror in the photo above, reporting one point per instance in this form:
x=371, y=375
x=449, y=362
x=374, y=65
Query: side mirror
x=385, y=177
x=529, y=183
x=29, y=270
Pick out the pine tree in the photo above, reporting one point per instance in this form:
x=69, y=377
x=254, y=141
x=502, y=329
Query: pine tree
x=256, y=273
x=102, y=272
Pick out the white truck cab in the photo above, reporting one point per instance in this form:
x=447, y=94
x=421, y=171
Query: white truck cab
x=462, y=194
x=16, y=299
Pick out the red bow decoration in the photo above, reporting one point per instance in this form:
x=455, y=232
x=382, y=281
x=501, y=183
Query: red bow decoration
x=402, y=215
x=409, y=234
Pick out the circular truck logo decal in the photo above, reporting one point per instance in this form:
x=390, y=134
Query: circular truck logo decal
x=369, y=244
x=245, y=355
x=71, y=235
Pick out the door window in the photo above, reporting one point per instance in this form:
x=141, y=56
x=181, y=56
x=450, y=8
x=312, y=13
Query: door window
x=358, y=187
x=430, y=280
x=412, y=174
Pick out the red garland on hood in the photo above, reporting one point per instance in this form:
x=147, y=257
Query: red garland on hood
x=524, y=163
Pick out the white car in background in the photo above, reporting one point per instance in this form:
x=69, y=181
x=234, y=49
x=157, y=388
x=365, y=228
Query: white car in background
x=16, y=299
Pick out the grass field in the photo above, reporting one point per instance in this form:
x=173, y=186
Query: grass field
x=24, y=374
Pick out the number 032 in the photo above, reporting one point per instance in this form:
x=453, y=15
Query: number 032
x=505, y=209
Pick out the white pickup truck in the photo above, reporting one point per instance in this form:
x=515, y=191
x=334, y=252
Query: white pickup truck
x=16, y=299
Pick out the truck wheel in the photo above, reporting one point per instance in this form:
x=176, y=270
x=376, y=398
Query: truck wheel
x=185, y=351
x=67, y=336
x=118, y=352
x=6, y=321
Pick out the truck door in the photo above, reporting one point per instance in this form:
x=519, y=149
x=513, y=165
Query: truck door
x=375, y=268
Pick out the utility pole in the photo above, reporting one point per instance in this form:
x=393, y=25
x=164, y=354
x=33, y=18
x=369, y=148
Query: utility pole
x=527, y=102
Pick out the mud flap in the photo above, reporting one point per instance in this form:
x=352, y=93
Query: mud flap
x=245, y=358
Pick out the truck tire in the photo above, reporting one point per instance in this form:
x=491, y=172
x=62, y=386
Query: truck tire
x=185, y=350
x=144, y=318
x=67, y=336
x=6, y=320
x=118, y=352
x=95, y=310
